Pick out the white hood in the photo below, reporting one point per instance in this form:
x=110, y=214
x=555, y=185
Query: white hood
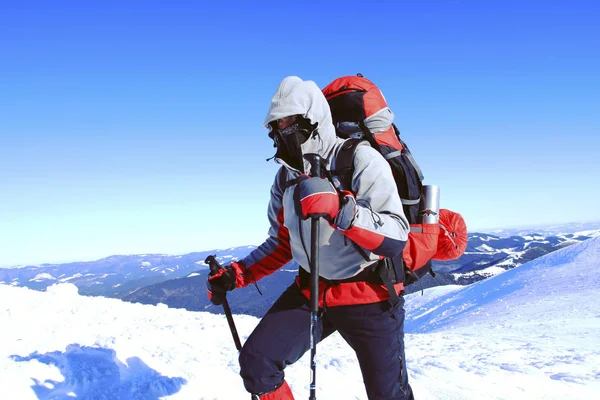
x=295, y=96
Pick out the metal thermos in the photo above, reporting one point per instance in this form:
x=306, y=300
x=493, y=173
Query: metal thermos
x=429, y=208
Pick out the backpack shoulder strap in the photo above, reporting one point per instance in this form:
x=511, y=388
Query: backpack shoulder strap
x=344, y=168
x=406, y=152
x=344, y=162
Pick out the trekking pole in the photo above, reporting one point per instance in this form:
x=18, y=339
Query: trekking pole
x=214, y=268
x=315, y=170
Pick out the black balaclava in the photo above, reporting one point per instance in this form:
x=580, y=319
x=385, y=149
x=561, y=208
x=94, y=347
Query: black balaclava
x=289, y=141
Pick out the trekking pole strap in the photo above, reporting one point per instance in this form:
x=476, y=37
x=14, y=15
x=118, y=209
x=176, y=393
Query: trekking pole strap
x=234, y=332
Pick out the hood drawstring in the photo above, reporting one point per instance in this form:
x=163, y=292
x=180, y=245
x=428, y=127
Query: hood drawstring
x=321, y=143
x=374, y=217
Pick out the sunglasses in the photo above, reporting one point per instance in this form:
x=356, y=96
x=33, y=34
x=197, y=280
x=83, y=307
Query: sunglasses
x=291, y=124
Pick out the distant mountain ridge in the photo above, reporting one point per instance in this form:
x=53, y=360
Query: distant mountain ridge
x=116, y=275
x=486, y=256
x=180, y=281
x=546, y=230
x=190, y=293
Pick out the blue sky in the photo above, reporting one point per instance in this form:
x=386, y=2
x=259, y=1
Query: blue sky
x=136, y=127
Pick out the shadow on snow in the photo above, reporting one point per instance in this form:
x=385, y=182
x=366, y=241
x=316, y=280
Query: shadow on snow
x=96, y=373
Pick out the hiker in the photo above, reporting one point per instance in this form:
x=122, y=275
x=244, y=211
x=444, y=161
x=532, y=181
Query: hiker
x=364, y=224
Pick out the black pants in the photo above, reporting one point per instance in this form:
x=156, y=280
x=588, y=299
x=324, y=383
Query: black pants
x=375, y=332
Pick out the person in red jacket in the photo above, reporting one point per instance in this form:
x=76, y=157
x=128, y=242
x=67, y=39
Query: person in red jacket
x=359, y=228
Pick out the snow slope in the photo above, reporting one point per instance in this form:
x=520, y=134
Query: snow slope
x=536, y=326
x=529, y=333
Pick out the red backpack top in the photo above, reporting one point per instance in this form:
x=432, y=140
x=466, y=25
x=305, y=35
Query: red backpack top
x=360, y=112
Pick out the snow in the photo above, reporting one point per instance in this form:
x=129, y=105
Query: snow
x=482, y=238
x=71, y=277
x=145, y=264
x=486, y=248
x=590, y=233
x=487, y=272
x=42, y=277
x=529, y=333
x=548, y=230
x=509, y=261
x=534, y=237
x=512, y=252
x=193, y=274
x=528, y=244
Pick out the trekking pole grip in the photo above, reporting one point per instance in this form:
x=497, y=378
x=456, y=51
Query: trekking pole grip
x=316, y=164
x=214, y=266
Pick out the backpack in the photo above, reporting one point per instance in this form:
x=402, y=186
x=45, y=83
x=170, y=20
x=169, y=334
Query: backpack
x=360, y=112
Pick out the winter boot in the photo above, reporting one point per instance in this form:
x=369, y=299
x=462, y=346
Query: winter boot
x=283, y=392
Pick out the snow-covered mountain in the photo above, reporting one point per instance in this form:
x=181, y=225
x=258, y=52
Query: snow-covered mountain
x=547, y=230
x=528, y=333
x=488, y=255
x=116, y=275
x=179, y=281
x=190, y=293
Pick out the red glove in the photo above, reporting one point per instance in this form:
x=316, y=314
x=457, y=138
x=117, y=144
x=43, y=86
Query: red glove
x=316, y=197
x=226, y=279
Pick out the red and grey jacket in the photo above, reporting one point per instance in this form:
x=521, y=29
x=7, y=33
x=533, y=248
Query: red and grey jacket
x=378, y=226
